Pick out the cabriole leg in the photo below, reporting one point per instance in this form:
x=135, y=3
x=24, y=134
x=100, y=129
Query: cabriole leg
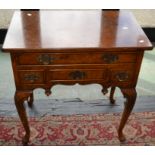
x=20, y=97
x=112, y=91
x=30, y=100
x=130, y=95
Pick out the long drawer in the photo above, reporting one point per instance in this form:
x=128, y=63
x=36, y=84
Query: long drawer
x=75, y=58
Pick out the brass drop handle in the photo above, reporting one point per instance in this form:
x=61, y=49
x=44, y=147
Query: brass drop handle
x=110, y=57
x=31, y=77
x=123, y=76
x=77, y=75
x=45, y=59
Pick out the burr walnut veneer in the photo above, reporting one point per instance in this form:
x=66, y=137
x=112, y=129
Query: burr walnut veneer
x=68, y=47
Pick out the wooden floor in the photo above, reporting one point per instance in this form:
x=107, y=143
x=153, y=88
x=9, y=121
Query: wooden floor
x=76, y=106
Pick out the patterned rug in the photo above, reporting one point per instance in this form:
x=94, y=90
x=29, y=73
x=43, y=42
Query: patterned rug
x=97, y=129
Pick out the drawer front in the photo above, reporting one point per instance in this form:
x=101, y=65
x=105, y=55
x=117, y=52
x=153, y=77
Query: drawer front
x=31, y=77
x=78, y=75
x=75, y=58
x=123, y=74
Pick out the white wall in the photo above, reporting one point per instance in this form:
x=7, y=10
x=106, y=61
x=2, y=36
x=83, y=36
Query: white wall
x=145, y=17
x=5, y=17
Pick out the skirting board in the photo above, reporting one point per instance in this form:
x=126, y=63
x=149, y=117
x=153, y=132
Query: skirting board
x=150, y=32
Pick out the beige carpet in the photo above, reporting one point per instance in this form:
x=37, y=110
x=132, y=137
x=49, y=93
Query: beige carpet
x=145, y=17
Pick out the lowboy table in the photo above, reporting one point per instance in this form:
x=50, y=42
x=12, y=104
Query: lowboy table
x=68, y=47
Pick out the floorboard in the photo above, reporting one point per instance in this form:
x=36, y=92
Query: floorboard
x=76, y=106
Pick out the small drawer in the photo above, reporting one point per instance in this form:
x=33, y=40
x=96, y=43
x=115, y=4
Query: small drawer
x=31, y=77
x=122, y=74
x=78, y=74
x=75, y=58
